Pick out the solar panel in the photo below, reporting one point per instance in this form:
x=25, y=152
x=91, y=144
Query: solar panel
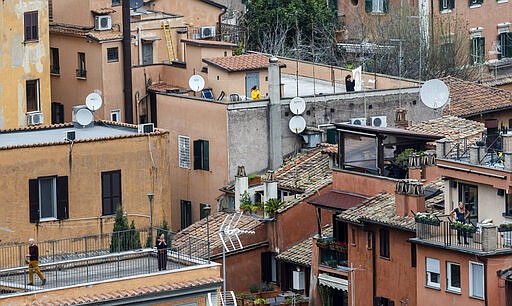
x=207, y=94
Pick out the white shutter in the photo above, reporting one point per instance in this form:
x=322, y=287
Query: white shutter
x=476, y=279
x=433, y=265
x=184, y=151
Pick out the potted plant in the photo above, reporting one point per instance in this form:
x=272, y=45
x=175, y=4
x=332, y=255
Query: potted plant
x=339, y=246
x=430, y=219
x=324, y=242
x=272, y=206
x=505, y=227
x=465, y=227
x=261, y=301
x=246, y=203
x=400, y=163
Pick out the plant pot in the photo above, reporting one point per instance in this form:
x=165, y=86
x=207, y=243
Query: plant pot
x=503, y=229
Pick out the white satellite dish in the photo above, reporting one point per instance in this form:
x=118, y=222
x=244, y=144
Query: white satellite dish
x=84, y=117
x=434, y=93
x=93, y=101
x=196, y=82
x=297, y=124
x=297, y=105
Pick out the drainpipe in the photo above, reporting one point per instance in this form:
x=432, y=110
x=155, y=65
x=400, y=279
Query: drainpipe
x=224, y=10
x=374, y=276
x=484, y=260
x=127, y=63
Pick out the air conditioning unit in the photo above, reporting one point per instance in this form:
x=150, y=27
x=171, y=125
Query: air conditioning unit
x=380, y=121
x=35, y=118
x=103, y=23
x=146, y=128
x=358, y=121
x=298, y=280
x=207, y=32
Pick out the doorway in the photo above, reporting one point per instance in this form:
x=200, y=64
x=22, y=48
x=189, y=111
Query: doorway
x=251, y=79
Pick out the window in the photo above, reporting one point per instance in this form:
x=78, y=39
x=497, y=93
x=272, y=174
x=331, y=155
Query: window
x=508, y=204
x=115, y=115
x=186, y=214
x=433, y=273
x=468, y=194
x=413, y=255
x=110, y=191
x=476, y=280
x=475, y=2
x=201, y=155
x=384, y=242
x=116, y=2
x=382, y=301
x=369, y=241
x=446, y=4
x=81, y=72
x=31, y=20
x=57, y=113
x=50, y=10
x=268, y=267
x=184, y=151
x=32, y=92
x=354, y=240
x=340, y=230
x=453, y=277
x=376, y=6
x=147, y=53
x=202, y=212
x=477, y=50
x=113, y=54
x=54, y=61
x=48, y=198
x=505, y=45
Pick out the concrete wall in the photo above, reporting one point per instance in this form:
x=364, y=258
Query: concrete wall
x=503, y=117
x=494, y=287
x=21, y=61
x=83, y=166
x=250, y=121
x=234, y=82
x=197, y=119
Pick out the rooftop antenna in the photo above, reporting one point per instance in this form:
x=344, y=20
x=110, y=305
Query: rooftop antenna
x=230, y=242
x=434, y=94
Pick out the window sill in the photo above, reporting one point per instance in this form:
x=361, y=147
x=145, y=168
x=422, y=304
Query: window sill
x=48, y=219
x=31, y=41
x=107, y=216
x=434, y=288
x=446, y=11
x=506, y=216
x=453, y=291
x=477, y=298
x=81, y=78
x=377, y=13
x=55, y=74
x=475, y=6
x=385, y=258
x=502, y=1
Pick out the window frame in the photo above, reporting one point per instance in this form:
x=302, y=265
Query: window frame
x=383, y=5
x=117, y=113
x=81, y=71
x=112, y=59
x=184, y=152
x=37, y=96
x=116, y=2
x=384, y=243
x=449, y=280
x=201, y=154
x=446, y=5
x=114, y=200
x=471, y=288
x=60, y=203
x=505, y=50
x=54, y=61
x=31, y=30
x=429, y=273
x=185, y=213
x=477, y=50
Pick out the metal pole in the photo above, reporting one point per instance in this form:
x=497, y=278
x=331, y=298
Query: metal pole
x=127, y=62
x=150, y=197
x=224, y=273
x=208, y=237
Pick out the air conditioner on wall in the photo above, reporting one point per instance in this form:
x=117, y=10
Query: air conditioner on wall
x=146, y=128
x=358, y=121
x=103, y=23
x=380, y=121
x=207, y=32
x=35, y=118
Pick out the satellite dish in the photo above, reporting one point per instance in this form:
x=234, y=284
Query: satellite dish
x=84, y=117
x=297, y=124
x=135, y=4
x=93, y=101
x=434, y=93
x=297, y=105
x=196, y=82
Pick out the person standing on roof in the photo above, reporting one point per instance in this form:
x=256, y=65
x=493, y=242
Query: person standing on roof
x=255, y=93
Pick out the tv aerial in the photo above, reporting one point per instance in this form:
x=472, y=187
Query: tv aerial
x=84, y=117
x=297, y=124
x=93, y=101
x=297, y=105
x=135, y=4
x=434, y=93
x=196, y=83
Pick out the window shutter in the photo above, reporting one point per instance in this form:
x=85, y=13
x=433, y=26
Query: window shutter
x=441, y=5
x=35, y=25
x=451, y=4
x=206, y=155
x=197, y=154
x=432, y=265
x=26, y=21
x=105, y=193
x=116, y=190
x=33, y=199
x=62, y=198
x=508, y=45
x=368, y=6
x=386, y=6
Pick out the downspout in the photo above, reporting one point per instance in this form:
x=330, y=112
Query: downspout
x=224, y=10
x=484, y=260
x=374, y=276
x=127, y=63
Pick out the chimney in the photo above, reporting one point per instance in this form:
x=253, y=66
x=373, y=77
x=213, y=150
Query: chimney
x=269, y=188
x=440, y=148
x=401, y=118
x=409, y=195
x=274, y=93
x=507, y=150
x=241, y=185
x=474, y=155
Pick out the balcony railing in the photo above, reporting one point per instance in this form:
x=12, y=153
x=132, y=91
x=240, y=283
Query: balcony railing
x=81, y=74
x=484, y=238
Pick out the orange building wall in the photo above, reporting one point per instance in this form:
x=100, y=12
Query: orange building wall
x=368, y=185
x=196, y=13
x=89, y=159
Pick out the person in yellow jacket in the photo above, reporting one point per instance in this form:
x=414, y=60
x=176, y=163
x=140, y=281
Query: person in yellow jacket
x=255, y=93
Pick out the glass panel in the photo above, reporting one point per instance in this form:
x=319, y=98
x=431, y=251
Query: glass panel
x=477, y=280
x=47, y=197
x=455, y=275
x=361, y=152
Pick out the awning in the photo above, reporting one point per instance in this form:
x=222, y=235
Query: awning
x=333, y=282
x=150, y=38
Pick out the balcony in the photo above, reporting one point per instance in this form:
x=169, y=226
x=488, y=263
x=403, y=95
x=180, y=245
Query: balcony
x=93, y=259
x=333, y=254
x=81, y=74
x=482, y=239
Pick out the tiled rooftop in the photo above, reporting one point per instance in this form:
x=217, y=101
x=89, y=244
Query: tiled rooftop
x=103, y=11
x=79, y=31
x=470, y=98
x=243, y=62
x=299, y=253
x=452, y=128
x=382, y=209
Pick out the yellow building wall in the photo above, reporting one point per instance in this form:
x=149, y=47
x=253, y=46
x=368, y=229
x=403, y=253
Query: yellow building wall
x=21, y=61
x=142, y=172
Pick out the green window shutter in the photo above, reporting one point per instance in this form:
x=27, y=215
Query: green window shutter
x=508, y=45
x=206, y=155
x=368, y=6
x=386, y=5
x=332, y=136
x=197, y=154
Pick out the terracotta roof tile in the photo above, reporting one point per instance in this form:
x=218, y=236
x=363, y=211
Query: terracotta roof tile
x=470, y=98
x=452, y=128
x=300, y=253
x=103, y=11
x=105, y=35
x=256, y=61
x=89, y=32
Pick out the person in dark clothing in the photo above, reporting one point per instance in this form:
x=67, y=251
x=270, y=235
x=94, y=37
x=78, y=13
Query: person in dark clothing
x=461, y=214
x=161, y=247
x=349, y=83
x=32, y=259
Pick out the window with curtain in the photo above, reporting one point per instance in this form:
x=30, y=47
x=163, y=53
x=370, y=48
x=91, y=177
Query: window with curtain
x=433, y=273
x=476, y=280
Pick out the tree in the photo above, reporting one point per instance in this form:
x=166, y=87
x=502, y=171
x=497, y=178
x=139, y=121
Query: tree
x=124, y=237
x=272, y=206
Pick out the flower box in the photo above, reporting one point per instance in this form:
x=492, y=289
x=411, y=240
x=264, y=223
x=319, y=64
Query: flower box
x=464, y=227
x=505, y=227
x=427, y=219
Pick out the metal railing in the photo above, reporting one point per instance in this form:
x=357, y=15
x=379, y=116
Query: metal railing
x=333, y=258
